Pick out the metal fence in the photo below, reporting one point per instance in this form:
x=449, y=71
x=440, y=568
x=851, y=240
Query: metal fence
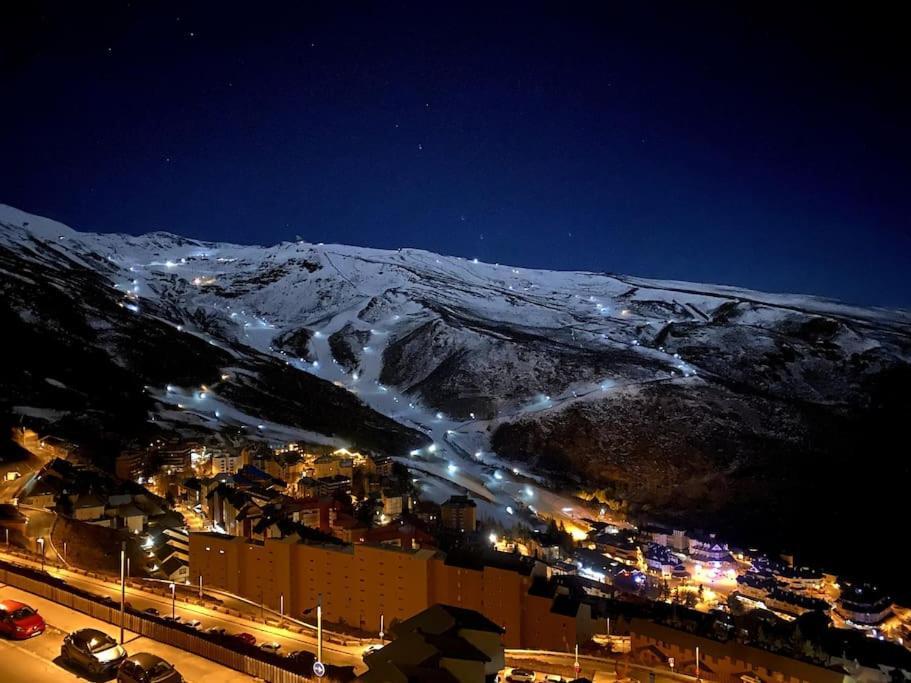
x=152, y=629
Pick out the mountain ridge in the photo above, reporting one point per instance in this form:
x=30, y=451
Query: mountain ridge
x=687, y=401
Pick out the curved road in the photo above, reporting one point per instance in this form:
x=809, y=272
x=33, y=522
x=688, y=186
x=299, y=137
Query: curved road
x=141, y=599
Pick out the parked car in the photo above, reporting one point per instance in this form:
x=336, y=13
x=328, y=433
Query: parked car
x=151, y=610
x=19, y=621
x=370, y=649
x=246, y=637
x=270, y=646
x=92, y=651
x=216, y=631
x=554, y=678
x=147, y=668
x=521, y=676
x=174, y=620
x=193, y=623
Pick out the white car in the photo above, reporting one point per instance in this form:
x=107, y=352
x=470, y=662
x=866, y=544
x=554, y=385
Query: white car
x=554, y=678
x=521, y=676
x=193, y=623
x=270, y=647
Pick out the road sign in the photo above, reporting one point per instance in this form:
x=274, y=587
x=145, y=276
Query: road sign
x=319, y=669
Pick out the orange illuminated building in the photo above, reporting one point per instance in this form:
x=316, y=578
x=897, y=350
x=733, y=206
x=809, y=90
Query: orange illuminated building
x=359, y=583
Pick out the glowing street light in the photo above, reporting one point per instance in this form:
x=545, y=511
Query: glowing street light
x=123, y=585
x=41, y=544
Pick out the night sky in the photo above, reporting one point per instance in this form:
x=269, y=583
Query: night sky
x=754, y=147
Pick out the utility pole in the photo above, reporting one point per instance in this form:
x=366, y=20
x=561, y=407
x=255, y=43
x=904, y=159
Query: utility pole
x=173, y=600
x=382, y=632
x=200, y=586
x=697, y=662
x=319, y=628
x=123, y=584
x=41, y=543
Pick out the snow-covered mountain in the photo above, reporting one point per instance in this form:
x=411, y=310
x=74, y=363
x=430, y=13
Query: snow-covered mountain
x=678, y=397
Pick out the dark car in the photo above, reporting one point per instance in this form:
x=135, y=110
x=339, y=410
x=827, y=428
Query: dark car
x=19, y=621
x=246, y=637
x=147, y=668
x=151, y=610
x=92, y=651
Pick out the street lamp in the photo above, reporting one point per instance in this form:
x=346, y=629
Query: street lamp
x=123, y=584
x=319, y=626
x=200, y=586
x=41, y=543
x=382, y=632
x=173, y=599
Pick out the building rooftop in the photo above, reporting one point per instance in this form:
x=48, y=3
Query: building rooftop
x=460, y=501
x=440, y=619
x=88, y=500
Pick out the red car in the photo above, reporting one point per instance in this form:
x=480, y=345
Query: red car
x=246, y=637
x=18, y=620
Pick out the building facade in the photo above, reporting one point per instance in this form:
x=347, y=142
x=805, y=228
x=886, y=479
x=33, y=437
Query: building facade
x=663, y=647
x=459, y=513
x=361, y=583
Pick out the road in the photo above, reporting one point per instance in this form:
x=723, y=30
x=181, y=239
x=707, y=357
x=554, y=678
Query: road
x=37, y=660
x=142, y=599
x=597, y=670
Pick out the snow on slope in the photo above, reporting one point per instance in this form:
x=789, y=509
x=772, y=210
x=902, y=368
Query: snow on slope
x=464, y=345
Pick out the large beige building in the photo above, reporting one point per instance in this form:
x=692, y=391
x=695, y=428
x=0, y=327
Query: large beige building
x=359, y=583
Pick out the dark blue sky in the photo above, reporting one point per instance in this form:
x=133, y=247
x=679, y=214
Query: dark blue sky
x=767, y=149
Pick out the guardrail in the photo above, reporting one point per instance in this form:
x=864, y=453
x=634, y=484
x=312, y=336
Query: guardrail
x=254, y=663
x=278, y=619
